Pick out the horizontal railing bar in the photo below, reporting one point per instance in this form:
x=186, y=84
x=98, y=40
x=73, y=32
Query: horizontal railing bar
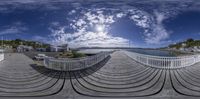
x=74, y=64
x=164, y=62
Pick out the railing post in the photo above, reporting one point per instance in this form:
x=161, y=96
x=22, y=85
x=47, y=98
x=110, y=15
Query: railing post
x=171, y=66
x=147, y=61
x=44, y=62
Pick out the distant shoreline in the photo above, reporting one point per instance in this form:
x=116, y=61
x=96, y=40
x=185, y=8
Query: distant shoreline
x=172, y=52
x=178, y=52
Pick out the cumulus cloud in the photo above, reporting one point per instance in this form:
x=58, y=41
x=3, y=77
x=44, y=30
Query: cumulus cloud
x=55, y=23
x=140, y=18
x=154, y=31
x=8, y=6
x=89, y=39
x=72, y=12
x=120, y=15
x=158, y=34
x=85, y=21
x=87, y=32
x=3, y=2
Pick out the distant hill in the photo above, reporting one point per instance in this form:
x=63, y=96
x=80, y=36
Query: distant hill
x=186, y=44
x=17, y=42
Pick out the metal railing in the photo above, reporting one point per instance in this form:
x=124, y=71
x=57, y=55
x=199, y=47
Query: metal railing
x=74, y=64
x=1, y=56
x=164, y=62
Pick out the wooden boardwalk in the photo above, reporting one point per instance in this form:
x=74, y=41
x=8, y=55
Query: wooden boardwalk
x=118, y=76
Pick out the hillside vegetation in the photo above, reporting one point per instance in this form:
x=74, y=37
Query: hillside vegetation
x=17, y=42
x=186, y=44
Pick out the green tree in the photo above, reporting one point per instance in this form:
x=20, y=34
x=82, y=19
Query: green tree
x=190, y=40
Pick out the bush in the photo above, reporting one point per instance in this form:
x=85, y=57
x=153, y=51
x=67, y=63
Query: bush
x=77, y=55
x=72, y=54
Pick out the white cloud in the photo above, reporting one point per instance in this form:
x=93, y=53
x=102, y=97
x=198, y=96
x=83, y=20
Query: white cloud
x=87, y=19
x=120, y=15
x=98, y=18
x=55, y=23
x=154, y=31
x=4, y=9
x=80, y=23
x=40, y=38
x=159, y=17
x=140, y=22
x=159, y=34
x=3, y=2
x=14, y=28
x=141, y=18
x=90, y=38
x=8, y=6
x=72, y=12
x=17, y=1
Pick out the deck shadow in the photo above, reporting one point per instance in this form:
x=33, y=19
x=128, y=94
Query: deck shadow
x=51, y=73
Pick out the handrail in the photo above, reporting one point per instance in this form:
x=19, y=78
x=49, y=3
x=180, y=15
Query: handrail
x=1, y=56
x=164, y=62
x=71, y=65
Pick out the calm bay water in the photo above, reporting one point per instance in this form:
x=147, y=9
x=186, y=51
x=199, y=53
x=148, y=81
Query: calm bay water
x=94, y=51
x=153, y=52
x=141, y=51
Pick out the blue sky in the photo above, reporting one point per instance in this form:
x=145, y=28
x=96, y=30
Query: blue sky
x=102, y=23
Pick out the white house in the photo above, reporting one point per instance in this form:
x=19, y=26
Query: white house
x=24, y=48
x=197, y=48
x=183, y=44
x=59, y=48
x=182, y=49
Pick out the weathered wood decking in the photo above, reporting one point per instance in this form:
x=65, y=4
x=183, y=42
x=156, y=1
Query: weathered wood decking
x=116, y=76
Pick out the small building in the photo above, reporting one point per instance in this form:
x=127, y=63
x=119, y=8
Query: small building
x=24, y=48
x=190, y=49
x=197, y=48
x=52, y=49
x=59, y=48
x=41, y=49
x=183, y=45
x=182, y=49
x=64, y=47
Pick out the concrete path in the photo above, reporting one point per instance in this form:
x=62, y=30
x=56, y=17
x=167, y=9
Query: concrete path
x=117, y=76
